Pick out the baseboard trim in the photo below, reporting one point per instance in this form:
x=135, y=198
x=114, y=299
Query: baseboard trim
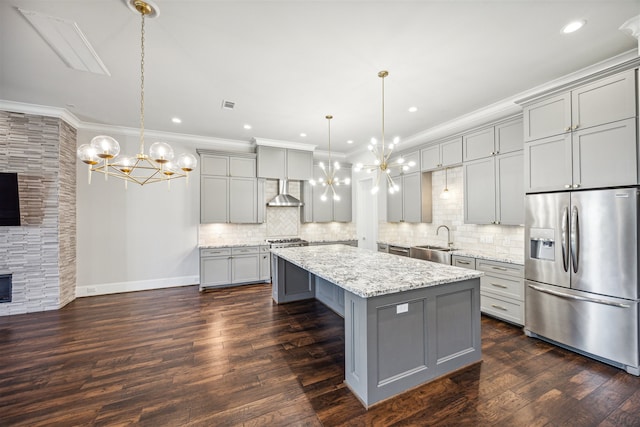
x=140, y=285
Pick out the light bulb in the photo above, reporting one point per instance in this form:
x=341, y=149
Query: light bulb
x=87, y=154
x=336, y=197
x=312, y=181
x=412, y=163
x=445, y=194
x=336, y=165
x=375, y=189
x=347, y=181
x=396, y=140
x=323, y=198
x=405, y=168
x=105, y=146
x=161, y=152
x=400, y=160
x=359, y=167
x=321, y=165
x=187, y=162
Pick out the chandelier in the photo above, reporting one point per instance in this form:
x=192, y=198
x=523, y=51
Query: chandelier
x=159, y=165
x=330, y=180
x=382, y=164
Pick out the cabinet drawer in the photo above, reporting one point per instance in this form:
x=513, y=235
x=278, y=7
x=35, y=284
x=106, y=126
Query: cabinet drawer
x=496, y=267
x=504, y=286
x=463, y=261
x=509, y=310
x=215, y=251
x=243, y=250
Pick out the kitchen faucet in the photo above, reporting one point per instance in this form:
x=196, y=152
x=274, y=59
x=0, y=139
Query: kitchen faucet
x=449, y=242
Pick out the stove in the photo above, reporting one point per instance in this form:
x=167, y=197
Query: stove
x=287, y=243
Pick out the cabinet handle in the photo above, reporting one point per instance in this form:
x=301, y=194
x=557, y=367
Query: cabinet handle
x=497, y=152
x=464, y=262
x=498, y=285
x=567, y=186
x=567, y=129
x=499, y=268
x=576, y=127
x=493, y=153
x=576, y=185
x=499, y=307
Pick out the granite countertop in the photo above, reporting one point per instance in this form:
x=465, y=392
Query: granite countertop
x=470, y=253
x=234, y=245
x=369, y=273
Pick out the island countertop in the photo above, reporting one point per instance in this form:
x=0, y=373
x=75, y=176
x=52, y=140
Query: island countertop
x=369, y=273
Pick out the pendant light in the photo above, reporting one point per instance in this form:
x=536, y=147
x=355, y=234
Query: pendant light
x=158, y=166
x=330, y=180
x=445, y=193
x=382, y=164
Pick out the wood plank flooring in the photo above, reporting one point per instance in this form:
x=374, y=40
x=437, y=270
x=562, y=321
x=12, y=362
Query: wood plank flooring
x=177, y=357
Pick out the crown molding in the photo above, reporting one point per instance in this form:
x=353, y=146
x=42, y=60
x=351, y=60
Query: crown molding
x=41, y=110
x=324, y=155
x=284, y=144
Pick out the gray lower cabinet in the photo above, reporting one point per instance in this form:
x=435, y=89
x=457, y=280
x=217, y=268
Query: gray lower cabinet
x=501, y=287
x=233, y=266
x=265, y=264
x=383, y=247
x=600, y=156
x=330, y=295
x=494, y=190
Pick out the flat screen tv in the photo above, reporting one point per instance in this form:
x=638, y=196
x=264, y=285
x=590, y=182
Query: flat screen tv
x=9, y=199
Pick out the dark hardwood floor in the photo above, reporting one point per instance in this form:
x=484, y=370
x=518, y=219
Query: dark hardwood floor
x=176, y=357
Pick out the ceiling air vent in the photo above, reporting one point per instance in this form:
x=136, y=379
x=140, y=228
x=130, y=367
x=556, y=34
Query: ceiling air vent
x=228, y=105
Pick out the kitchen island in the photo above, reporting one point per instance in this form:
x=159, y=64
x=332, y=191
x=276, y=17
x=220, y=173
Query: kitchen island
x=406, y=321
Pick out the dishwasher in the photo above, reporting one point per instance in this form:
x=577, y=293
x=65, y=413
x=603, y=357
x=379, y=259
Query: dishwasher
x=399, y=250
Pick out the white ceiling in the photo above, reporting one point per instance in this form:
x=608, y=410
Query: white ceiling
x=286, y=64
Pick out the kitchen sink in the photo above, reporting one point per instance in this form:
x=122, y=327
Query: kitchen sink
x=432, y=253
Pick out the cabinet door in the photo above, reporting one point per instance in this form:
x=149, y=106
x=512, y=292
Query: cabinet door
x=479, y=191
x=214, y=165
x=510, y=188
x=215, y=271
x=245, y=268
x=322, y=210
x=412, y=157
x=478, y=144
x=509, y=137
x=306, y=197
x=342, y=209
x=394, y=201
x=604, y=101
x=299, y=165
x=430, y=158
x=605, y=156
x=451, y=152
x=242, y=167
x=547, y=164
x=243, y=197
x=265, y=265
x=548, y=117
x=213, y=199
x=411, y=200
x=272, y=162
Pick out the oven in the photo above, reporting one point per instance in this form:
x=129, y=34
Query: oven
x=286, y=243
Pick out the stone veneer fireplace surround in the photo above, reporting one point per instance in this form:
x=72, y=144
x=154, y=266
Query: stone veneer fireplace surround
x=40, y=254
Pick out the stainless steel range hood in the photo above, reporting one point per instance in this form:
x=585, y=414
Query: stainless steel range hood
x=284, y=199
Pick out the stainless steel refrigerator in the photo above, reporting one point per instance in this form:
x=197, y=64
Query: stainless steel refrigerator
x=581, y=272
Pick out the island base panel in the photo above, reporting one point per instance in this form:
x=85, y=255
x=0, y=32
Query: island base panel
x=396, y=342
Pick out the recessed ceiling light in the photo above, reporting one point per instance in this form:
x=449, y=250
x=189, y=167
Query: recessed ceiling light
x=350, y=141
x=573, y=26
x=176, y=120
x=413, y=109
x=247, y=126
x=303, y=134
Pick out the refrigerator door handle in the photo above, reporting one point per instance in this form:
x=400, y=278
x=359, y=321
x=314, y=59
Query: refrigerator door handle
x=575, y=239
x=564, y=227
x=579, y=298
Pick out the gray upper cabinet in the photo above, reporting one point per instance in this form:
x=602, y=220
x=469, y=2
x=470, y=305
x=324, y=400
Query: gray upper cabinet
x=505, y=137
x=493, y=190
x=478, y=144
x=317, y=210
x=598, y=156
x=410, y=203
x=272, y=162
x=229, y=189
x=607, y=100
x=282, y=163
x=445, y=154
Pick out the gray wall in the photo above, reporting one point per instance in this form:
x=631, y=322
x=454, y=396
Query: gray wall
x=41, y=253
